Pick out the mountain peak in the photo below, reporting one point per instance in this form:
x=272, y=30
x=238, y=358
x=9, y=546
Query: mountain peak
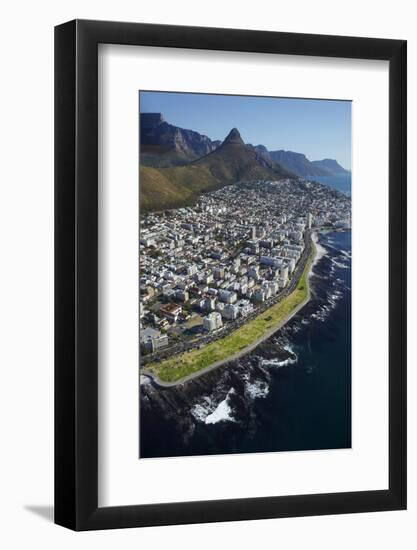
x=233, y=137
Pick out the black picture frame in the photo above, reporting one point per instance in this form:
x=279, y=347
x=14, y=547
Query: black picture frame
x=76, y=272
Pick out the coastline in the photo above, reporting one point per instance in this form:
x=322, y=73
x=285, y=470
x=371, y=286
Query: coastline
x=311, y=261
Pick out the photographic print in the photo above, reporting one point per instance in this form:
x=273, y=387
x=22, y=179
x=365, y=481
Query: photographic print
x=244, y=274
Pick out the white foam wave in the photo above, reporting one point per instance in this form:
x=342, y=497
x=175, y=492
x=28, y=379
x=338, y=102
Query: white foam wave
x=210, y=413
x=144, y=380
x=320, y=250
x=278, y=363
x=334, y=296
x=339, y=264
x=323, y=313
x=256, y=389
x=223, y=412
x=199, y=412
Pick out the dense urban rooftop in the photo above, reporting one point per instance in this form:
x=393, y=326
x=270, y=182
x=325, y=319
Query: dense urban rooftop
x=205, y=268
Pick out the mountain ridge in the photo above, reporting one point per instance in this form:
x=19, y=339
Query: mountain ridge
x=163, y=144
x=331, y=166
x=232, y=161
x=177, y=165
x=300, y=165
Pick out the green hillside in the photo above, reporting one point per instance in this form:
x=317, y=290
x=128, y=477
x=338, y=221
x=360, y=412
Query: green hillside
x=173, y=187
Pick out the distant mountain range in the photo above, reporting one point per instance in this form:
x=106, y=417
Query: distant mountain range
x=331, y=166
x=300, y=165
x=177, y=165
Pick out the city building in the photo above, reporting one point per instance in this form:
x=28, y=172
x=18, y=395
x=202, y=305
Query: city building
x=152, y=340
x=270, y=261
x=227, y=296
x=171, y=311
x=213, y=321
x=230, y=312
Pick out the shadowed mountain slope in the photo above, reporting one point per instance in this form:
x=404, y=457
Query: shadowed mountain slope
x=163, y=144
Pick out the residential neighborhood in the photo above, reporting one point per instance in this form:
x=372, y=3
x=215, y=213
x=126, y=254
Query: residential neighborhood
x=205, y=269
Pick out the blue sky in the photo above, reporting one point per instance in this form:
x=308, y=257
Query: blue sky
x=318, y=128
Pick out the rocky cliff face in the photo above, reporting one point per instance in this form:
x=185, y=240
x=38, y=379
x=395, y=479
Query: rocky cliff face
x=162, y=143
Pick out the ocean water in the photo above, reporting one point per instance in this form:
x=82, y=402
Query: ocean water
x=293, y=392
x=342, y=182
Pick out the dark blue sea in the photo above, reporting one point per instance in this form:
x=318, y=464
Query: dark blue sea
x=293, y=392
x=342, y=182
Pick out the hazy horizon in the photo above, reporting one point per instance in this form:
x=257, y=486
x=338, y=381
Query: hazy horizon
x=318, y=128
